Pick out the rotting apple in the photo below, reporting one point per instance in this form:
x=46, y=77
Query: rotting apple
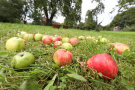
x=62, y=57
x=105, y=64
x=22, y=60
x=120, y=47
x=15, y=44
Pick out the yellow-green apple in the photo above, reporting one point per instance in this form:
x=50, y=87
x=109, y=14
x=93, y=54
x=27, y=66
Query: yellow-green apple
x=38, y=37
x=65, y=40
x=62, y=57
x=57, y=43
x=57, y=38
x=20, y=33
x=15, y=44
x=105, y=64
x=48, y=40
x=120, y=47
x=67, y=46
x=73, y=41
x=28, y=37
x=22, y=60
x=81, y=37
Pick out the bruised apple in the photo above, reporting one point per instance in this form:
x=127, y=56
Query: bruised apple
x=73, y=41
x=120, y=47
x=62, y=57
x=105, y=64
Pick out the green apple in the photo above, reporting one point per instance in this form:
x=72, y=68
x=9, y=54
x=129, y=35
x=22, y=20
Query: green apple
x=38, y=37
x=21, y=33
x=28, y=37
x=67, y=46
x=81, y=37
x=65, y=40
x=22, y=60
x=15, y=44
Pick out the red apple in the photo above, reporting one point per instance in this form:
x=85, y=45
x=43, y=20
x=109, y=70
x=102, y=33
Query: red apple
x=62, y=57
x=57, y=43
x=48, y=40
x=105, y=64
x=57, y=38
x=73, y=41
x=33, y=35
x=120, y=47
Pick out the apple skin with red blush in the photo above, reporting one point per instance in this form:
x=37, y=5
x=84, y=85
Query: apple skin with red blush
x=62, y=57
x=105, y=64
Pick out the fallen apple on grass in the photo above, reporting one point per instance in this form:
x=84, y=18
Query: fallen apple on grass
x=57, y=43
x=21, y=33
x=28, y=37
x=15, y=44
x=38, y=37
x=48, y=40
x=22, y=60
x=65, y=40
x=105, y=64
x=67, y=46
x=81, y=37
x=62, y=57
x=73, y=41
x=57, y=38
x=120, y=47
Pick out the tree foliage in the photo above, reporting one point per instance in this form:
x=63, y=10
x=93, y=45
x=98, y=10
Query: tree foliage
x=11, y=10
x=126, y=18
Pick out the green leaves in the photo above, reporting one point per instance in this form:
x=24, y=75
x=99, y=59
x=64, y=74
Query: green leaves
x=77, y=77
x=3, y=54
x=29, y=85
x=50, y=84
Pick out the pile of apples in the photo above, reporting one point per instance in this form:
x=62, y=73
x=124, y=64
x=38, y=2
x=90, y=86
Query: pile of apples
x=101, y=63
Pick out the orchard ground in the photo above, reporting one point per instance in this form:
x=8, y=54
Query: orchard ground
x=44, y=73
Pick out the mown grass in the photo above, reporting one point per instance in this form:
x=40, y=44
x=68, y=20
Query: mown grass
x=44, y=69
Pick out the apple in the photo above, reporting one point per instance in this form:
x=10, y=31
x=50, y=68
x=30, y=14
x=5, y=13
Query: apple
x=15, y=44
x=33, y=35
x=22, y=60
x=21, y=33
x=90, y=38
x=57, y=38
x=105, y=64
x=44, y=36
x=48, y=40
x=120, y=47
x=57, y=43
x=62, y=57
x=65, y=40
x=73, y=41
x=38, y=37
x=67, y=46
x=81, y=37
x=28, y=37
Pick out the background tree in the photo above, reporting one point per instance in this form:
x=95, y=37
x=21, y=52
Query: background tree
x=11, y=10
x=124, y=19
x=89, y=20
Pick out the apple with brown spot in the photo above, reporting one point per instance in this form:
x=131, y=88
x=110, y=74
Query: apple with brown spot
x=62, y=57
x=105, y=64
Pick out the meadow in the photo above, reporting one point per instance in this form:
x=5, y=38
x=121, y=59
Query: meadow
x=45, y=74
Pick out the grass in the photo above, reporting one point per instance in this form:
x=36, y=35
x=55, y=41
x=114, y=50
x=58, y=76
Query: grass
x=45, y=74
